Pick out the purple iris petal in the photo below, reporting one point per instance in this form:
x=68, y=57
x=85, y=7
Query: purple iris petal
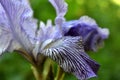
x=48, y=31
x=16, y=24
x=69, y=53
x=61, y=9
x=92, y=35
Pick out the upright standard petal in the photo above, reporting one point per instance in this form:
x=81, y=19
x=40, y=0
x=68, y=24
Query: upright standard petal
x=86, y=27
x=6, y=38
x=60, y=6
x=69, y=53
x=48, y=31
x=16, y=22
x=61, y=9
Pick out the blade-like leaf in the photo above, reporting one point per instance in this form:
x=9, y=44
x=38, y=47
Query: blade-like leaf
x=69, y=53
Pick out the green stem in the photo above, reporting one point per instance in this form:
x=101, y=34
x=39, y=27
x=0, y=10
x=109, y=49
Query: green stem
x=43, y=72
x=38, y=68
x=37, y=73
x=60, y=74
x=48, y=70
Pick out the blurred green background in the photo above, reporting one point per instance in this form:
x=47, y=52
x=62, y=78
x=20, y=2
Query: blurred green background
x=106, y=13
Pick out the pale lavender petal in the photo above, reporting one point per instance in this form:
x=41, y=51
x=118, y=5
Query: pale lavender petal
x=44, y=31
x=87, y=20
x=19, y=21
x=61, y=9
x=69, y=53
x=104, y=32
x=14, y=45
x=48, y=31
x=60, y=6
x=6, y=38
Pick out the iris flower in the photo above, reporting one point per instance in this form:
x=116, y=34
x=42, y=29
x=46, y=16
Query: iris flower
x=65, y=42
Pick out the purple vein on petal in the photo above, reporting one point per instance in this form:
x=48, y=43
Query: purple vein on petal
x=20, y=22
x=69, y=53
